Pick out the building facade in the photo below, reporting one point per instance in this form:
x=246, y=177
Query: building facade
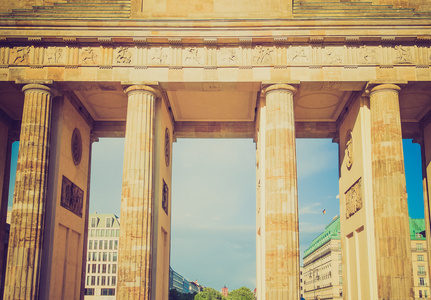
x=102, y=257
x=181, y=284
x=154, y=71
x=323, y=263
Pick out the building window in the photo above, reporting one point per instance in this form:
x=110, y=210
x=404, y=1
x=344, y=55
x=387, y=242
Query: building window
x=114, y=256
x=88, y=280
x=339, y=256
x=93, y=268
x=90, y=245
x=113, y=280
x=107, y=292
x=102, y=232
x=421, y=270
x=103, y=280
x=112, y=232
x=110, y=245
x=420, y=293
x=93, y=222
x=105, y=256
x=100, y=245
x=94, y=256
x=104, y=268
x=88, y=268
x=92, y=232
x=97, y=232
x=419, y=247
x=108, y=222
x=420, y=257
x=89, y=292
x=421, y=281
x=114, y=268
x=93, y=280
x=115, y=245
x=105, y=245
x=426, y=293
x=418, y=235
x=95, y=245
x=118, y=232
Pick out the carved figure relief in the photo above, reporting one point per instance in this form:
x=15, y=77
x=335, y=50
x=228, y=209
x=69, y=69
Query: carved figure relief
x=192, y=56
x=165, y=197
x=263, y=55
x=167, y=147
x=404, y=54
x=22, y=55
x=54, y=55
x=354, y=198
x=72, y=197
x=299, y=55
x=349, y=150
x=228, y=56
x=157, y=56
x=331, y=56
x=76, y=146
x=124, y=56
x=368, y=54
x=88, y=56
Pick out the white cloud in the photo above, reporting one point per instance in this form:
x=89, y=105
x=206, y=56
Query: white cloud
x=312, y=209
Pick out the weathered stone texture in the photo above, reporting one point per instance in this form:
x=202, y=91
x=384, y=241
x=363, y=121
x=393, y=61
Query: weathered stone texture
x=394, y=268
x=134, y=265
x=24, y=254
x=281, y=215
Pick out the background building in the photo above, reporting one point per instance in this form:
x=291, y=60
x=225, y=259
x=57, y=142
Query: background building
x=181, y=284
x=322, y=271
x=102, y=256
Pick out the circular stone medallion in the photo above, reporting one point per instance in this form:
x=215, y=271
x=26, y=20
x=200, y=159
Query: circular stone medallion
x=76, y=146
x=167, y=147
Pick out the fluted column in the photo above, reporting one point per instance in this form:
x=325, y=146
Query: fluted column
x=281, y=196
x=29, y=200
x=134, y=265
x=391, y=219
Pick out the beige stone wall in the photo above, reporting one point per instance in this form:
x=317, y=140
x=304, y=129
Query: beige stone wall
x=162, y=220
x=357, y=231
x=64, y=231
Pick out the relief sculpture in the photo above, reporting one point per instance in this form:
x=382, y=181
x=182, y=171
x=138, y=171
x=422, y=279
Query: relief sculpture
x=22, y=55
x=299, y=55
x=228, y=56
x=331, y=56
x=88, y=56
x=403, y=54
x=54, y=55
x=165, y=199
x=72, y=197
x=157, y=56
x=192, y=56
x=124, y=56
x=368, y=55
x=354, y=198
x=263, y=55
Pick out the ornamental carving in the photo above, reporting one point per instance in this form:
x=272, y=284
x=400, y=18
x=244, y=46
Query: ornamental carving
x=263, y=55
x=167, y=147
x=54, y=55
x=192, y=56
x=332, y=55
x=300, y=55
x=157, y=56
x=76, y=146
x=354, y=198
x=348, y=151
x=124, y=56
x=403, y=54
x=22, y=55
x=165, y=197
x=72, y=197
x=228, y=56
x=368, y=54
x=88, y=56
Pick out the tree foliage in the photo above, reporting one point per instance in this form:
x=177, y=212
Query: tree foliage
x=243, y=293
x=209, y=294
x=175, y=295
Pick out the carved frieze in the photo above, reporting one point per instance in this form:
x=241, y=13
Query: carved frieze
x=72, y=197
x=228, y=56
x=55, y=56
x=209, y=55
x=123, y=56
x=262, y=55
x=354, y=198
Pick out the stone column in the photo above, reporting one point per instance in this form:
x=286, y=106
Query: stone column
x=281, y=196
x=26, y=233
x=391, y=219
x=134, y=264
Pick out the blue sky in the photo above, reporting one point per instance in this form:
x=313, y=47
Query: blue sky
x=214, y=200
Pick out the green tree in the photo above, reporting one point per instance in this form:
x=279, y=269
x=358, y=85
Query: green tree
x=209, y=294
x=243, y=293
x=175, y=295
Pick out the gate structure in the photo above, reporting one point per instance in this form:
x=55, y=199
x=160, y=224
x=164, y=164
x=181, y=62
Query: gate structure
x=153, y=71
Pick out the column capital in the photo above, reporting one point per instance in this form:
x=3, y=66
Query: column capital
x=385, y=86
x=143, y=88
x=279, y=86
x=36, y=87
